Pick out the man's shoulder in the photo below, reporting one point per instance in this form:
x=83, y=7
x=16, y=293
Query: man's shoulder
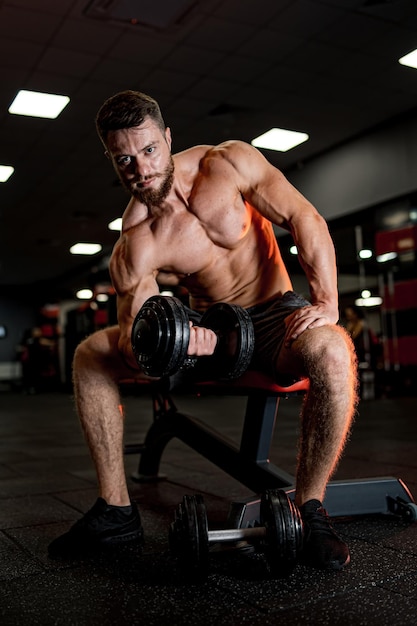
x=194, y=153
x=226, y=149
x=205, y=151
x=134, y=214
x=130, y=250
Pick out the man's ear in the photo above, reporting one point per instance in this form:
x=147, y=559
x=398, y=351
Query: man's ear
x=168, y=137
x=106, y=154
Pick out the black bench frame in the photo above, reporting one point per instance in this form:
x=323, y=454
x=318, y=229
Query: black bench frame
x=249, y=463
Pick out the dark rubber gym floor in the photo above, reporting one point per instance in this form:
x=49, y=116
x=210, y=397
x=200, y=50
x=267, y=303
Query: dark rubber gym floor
x=47, y=482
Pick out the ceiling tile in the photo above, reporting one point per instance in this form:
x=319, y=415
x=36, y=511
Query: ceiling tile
x=193, y=59
x=91, y=37
x=354, y=31
x=265, y=45
x=232, y=69
x=29, y=25
x=147, y=49
x=44, y=6
x=19, y=54
x=243, y=10
x=68, y=62
x=305, y=18
x=125, y=75
x=219, y=34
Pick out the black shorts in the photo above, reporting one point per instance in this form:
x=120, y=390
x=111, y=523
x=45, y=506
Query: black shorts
x=268, y=321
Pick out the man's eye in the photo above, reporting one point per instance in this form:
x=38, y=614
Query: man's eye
x=150, y=149
x=123, y=161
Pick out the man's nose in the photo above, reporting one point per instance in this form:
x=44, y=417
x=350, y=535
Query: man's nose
x=141, y=168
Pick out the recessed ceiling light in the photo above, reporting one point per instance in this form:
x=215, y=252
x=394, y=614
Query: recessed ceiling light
x=279, y=139
x=115, y=224
x=365, y=253
x=409, y=59
x=372, y=301
x=5, y=172
x=85, y=248
x=84, y=294
x=37, y=104
x=387, y=256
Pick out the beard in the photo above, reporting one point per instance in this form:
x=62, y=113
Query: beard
x=154, y=197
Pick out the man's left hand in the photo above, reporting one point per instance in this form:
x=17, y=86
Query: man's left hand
x=307, y=318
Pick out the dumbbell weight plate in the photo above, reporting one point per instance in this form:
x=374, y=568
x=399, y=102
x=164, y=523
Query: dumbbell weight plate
x=188, y=536
x=284, y=531
x=160, y=336
x=236, y=340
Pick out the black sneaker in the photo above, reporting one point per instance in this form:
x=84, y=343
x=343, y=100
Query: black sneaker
x=322, y=548
x=102, y=525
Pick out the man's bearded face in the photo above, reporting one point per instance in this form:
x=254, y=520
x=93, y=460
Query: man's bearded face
x=154, y=196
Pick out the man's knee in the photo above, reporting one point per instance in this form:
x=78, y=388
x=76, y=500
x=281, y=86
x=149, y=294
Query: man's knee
x=328, y=348
x=97, y=346
x=83, y=352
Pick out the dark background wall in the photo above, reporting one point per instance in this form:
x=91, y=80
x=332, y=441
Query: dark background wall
x=16, y=315
x=372, y=169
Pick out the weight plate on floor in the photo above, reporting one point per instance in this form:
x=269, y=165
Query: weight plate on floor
x=188, y=536
x=284, y=531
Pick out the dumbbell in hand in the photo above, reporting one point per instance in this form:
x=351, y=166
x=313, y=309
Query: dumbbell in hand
x=161, y=337
x=280, y=534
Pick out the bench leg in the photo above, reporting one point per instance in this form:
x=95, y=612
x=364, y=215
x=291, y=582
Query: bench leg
x=249, y=463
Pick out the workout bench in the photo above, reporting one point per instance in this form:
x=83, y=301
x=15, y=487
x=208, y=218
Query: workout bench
x=249, y=463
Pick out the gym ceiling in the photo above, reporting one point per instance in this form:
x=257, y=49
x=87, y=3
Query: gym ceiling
x=220, y=69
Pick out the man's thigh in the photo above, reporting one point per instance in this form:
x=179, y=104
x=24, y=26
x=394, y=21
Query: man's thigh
x=105, y=346
x=270, y=328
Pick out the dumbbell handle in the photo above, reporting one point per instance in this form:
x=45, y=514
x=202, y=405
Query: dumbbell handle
x=236, y=534
x=160, y=338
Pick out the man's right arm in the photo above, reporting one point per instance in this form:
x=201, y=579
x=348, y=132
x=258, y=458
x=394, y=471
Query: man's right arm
x=134, y=281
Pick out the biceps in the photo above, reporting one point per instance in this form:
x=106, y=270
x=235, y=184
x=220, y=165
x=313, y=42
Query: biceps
x=167, y=278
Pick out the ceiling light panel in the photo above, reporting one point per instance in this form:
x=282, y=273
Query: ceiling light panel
x=410, y=59
x=85, y=248
x=5, y=172
x=279, y=139
x=38, y=104
x=115, y=224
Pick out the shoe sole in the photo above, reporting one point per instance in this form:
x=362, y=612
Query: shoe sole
x=136, y=535
x=93, y=547
x=337, y=566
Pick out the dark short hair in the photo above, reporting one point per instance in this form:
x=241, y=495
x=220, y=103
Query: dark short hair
x=127, y=109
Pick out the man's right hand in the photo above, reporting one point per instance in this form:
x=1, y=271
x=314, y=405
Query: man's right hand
x=202, y=342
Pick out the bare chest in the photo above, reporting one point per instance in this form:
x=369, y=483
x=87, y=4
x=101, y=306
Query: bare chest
x=190, y=238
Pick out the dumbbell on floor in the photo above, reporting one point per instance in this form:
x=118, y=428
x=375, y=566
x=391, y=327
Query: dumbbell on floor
x=161, y=334
x=280, y=534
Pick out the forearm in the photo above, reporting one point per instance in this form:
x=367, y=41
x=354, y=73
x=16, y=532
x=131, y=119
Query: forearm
x=125, y=320
x=318, y=260
x=128, y=307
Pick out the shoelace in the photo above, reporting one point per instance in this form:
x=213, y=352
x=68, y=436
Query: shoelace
x=319, y=521
x=91, y=518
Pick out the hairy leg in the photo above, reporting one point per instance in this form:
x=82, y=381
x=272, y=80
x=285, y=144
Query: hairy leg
x=97, y=368
x=327, y=357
